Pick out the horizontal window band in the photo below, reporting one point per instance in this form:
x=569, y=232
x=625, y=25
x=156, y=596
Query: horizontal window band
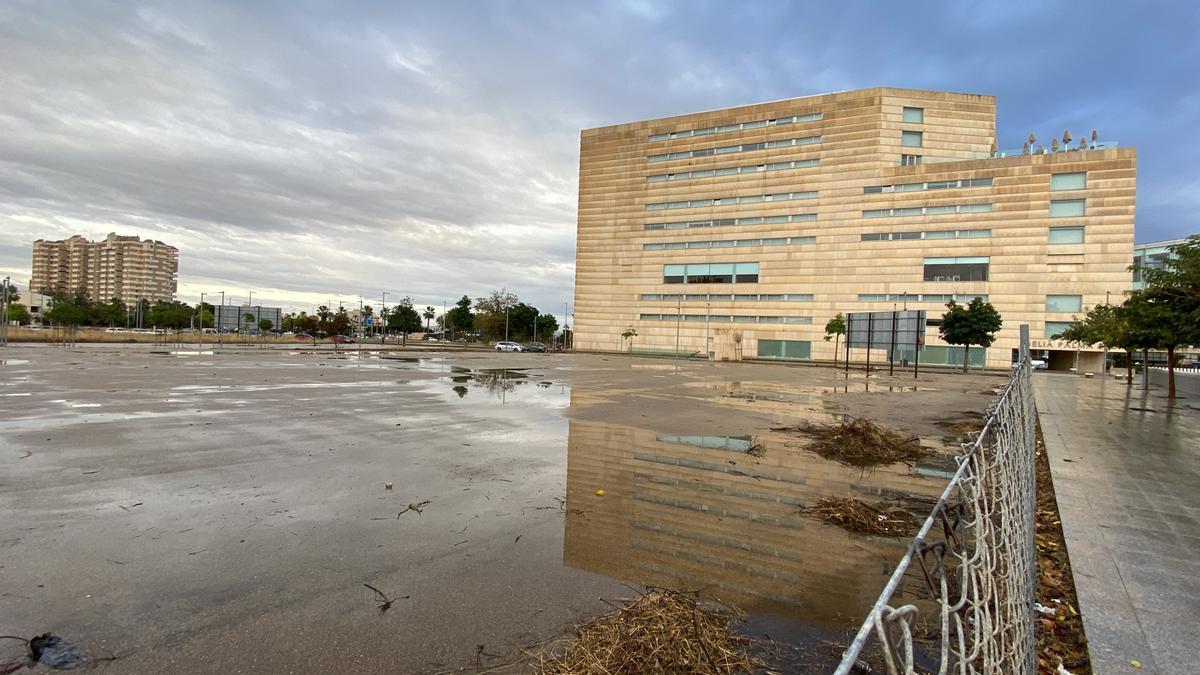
x=727, y=243
x=724, y=297
x=741, y=126
x=931, y=185
x=729, y=222
x=935, y=234
x=727, y=318
x=733, y=170
x=730, y=149
x=730, y=201
x=927, y=210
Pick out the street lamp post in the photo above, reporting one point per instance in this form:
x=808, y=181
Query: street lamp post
x=4, y=314
x=383, y=318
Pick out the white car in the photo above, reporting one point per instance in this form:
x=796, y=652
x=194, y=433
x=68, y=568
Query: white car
x=503, y=346
x=1039, y=364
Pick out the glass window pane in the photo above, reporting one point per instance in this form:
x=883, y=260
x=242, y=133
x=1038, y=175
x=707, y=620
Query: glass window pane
x=1055, y=327
x=914, y=115
x=1063, y=208
x=1068, y=181
x=717, y=269
x=910, y=139
x=1066, y=235
x=1064, y=303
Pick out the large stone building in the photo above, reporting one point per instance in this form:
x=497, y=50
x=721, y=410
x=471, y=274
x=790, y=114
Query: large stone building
x=120, y=267
x=740, y=232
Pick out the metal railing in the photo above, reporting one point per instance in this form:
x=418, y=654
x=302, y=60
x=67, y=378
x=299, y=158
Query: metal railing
x=972, y=565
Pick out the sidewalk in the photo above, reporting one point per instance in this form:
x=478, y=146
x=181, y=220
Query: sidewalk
x=1126, y=470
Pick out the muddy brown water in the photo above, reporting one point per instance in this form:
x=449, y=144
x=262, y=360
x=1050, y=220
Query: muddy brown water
x=220, y=512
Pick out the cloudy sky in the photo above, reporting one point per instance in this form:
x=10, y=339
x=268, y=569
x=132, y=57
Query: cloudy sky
x=310, y=152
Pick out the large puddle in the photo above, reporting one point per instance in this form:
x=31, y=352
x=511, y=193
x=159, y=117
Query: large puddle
x=686, y=486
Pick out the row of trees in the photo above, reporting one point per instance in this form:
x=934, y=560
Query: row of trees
x=496, y=316
x=1164, y=315
x=77, y=309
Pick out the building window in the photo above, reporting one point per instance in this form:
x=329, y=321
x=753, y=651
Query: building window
x=910, y=160
x=711, y=273
x=1066, y=208
x=1068, y=181
x=956, y=269
x=1064, y=303
x=914, y=115
x=910, y=139
x=1056, y=327
x=1066, y=235
x=785, y=349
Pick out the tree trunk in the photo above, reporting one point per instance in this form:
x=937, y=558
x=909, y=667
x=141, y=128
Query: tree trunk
x=966, y=353
x=836, y=339
x=1171, y=372
x=1129, y=366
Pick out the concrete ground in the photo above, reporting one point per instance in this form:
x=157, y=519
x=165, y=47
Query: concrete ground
x=199, y=512
x=1126, y=468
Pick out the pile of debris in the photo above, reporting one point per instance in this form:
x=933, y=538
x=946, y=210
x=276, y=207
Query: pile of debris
x=661, y=631
x=860, y=443
x=860, y=517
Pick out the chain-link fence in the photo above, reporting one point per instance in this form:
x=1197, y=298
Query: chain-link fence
x=961, y=600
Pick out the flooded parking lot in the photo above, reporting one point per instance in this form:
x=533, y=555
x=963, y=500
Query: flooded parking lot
x=221, y=512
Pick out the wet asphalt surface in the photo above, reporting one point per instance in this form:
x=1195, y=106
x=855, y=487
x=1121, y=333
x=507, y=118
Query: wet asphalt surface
x=198, y=512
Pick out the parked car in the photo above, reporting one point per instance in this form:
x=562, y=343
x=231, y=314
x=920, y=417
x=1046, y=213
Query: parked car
x=303, y=336
x=114, y=330
x=342, y=340
x=535, y=347
x=1038, y=364
x=504, y=346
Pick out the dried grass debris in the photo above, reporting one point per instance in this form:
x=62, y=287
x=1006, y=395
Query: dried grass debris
x=859, y=443
x=857, y=516
x=661, y=631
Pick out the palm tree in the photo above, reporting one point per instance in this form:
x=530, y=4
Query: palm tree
x=429, y=313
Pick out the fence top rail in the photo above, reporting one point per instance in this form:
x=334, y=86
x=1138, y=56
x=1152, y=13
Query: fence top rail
x=850, y=656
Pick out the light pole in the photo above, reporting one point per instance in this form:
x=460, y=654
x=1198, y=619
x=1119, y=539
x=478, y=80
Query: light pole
x=1104, y=368
x=4, y=315
x=445, y=323
x=200, y=337
x=383, y=317
x=707, y=318
x=220, y=345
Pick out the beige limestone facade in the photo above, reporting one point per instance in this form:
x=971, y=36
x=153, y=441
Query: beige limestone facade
x=738, y=233
x=123, y=267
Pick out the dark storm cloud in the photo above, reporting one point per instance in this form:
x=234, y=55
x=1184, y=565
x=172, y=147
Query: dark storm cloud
x=313, y=151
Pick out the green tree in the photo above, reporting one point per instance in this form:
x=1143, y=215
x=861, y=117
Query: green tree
x=628, y=336
x=429, y=313
x=324, y=322
x=547, y=326
x=1170, y=311
x=973, y=324
x=491, y=312
x=521, y=321
x=403, y=318
x=835, y=328
x=340, y=323
x=18, y=313
x=1106, y=325
x=460, y=318
x=265, y=325
x=13, y=294
x=111, y=313
x=69, y=310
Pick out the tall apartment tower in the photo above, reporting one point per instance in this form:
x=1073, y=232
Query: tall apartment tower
x=126, y=268
x=739, y=233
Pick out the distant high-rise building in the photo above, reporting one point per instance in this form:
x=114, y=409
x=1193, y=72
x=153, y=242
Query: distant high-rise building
x=125, y=268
